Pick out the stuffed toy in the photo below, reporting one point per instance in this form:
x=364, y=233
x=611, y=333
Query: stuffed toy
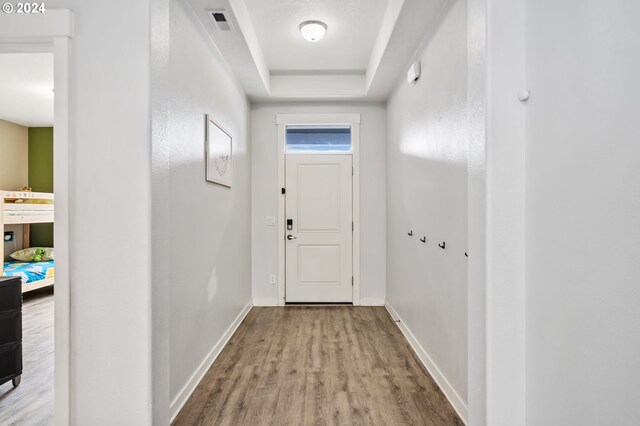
x=37, y=256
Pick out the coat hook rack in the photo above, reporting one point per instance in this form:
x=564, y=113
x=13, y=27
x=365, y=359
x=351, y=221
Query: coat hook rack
x=410, y=233
x=442, y=246
x=423, y=239
x=465, y=254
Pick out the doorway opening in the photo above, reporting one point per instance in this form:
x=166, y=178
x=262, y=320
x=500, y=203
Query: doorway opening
x=48, y=34
x=318, y=209
x=27, y=253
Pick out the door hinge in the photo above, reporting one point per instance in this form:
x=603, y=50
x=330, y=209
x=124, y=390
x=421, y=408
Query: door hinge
x=351, y=171
x=353, y=227
x=352, y=281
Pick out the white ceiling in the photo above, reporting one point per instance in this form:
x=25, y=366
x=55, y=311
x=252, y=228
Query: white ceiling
x=352, y=32
x=26, y=88
x=367, y=50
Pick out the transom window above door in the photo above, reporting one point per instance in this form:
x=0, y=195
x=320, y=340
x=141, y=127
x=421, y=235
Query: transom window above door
x=318, y=139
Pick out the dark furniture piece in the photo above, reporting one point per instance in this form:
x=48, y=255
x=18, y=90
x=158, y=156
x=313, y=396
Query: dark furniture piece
x=10, y=330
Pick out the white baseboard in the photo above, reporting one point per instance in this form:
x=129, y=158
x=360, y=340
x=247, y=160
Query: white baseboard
x=372, y=302
x=265, y=302
x=274, y=302
x=456, y=402
x=184, y=394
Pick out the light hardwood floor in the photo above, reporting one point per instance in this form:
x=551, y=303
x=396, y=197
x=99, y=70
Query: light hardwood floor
x=31, y=403
x=317, y=366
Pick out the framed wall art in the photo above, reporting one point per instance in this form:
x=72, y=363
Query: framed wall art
x=218, y=154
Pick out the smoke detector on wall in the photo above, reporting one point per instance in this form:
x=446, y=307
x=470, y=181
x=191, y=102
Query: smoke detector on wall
x=413, y=75
x=221, y=19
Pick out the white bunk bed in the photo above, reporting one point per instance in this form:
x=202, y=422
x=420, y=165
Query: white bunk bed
x=24, y=208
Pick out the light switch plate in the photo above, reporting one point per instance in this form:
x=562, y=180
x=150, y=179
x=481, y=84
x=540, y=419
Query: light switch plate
x=271, y=221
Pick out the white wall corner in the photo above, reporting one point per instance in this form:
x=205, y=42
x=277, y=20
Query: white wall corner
x=270, y=301
x=369, y=301
x=389, y=20
x=505, y=212
x=241, y=13
x=191, y=385
x=449, y=392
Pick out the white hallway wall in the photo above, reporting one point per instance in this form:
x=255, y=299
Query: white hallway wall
x=265, y=193
x=583, y=213
x=122, y=77
x=476, y=200
x=427, y=193
x=502, y=72
x=108, y=70
x=111, y=171
x=210, y=227
x=110, y=207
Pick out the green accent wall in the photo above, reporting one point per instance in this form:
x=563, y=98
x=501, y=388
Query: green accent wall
x=41, y=178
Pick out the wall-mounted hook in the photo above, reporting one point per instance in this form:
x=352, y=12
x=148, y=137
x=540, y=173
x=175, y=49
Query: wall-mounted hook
x=423, y=239
x=465, y=254
x=410, y=233
x=442, y=246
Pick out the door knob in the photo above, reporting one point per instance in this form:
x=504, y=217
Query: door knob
x=291, y=237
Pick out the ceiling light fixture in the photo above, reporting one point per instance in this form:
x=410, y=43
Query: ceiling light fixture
x=313, y=30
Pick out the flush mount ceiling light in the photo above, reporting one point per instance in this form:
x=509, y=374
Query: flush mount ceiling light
x=313, y=30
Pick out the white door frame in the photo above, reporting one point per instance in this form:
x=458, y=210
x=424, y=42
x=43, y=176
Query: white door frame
x=282, y=120
x=52, y=32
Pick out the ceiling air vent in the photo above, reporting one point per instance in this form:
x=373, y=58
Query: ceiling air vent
x=221, y=19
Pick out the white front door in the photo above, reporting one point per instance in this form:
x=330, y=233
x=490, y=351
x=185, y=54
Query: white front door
x=319, y=245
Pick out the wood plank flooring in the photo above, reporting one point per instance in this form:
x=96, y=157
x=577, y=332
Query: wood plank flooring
x=317, y=366
x=31, y=403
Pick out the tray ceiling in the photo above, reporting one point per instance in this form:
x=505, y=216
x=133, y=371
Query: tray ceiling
x=368, y=46
x=352, y=31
